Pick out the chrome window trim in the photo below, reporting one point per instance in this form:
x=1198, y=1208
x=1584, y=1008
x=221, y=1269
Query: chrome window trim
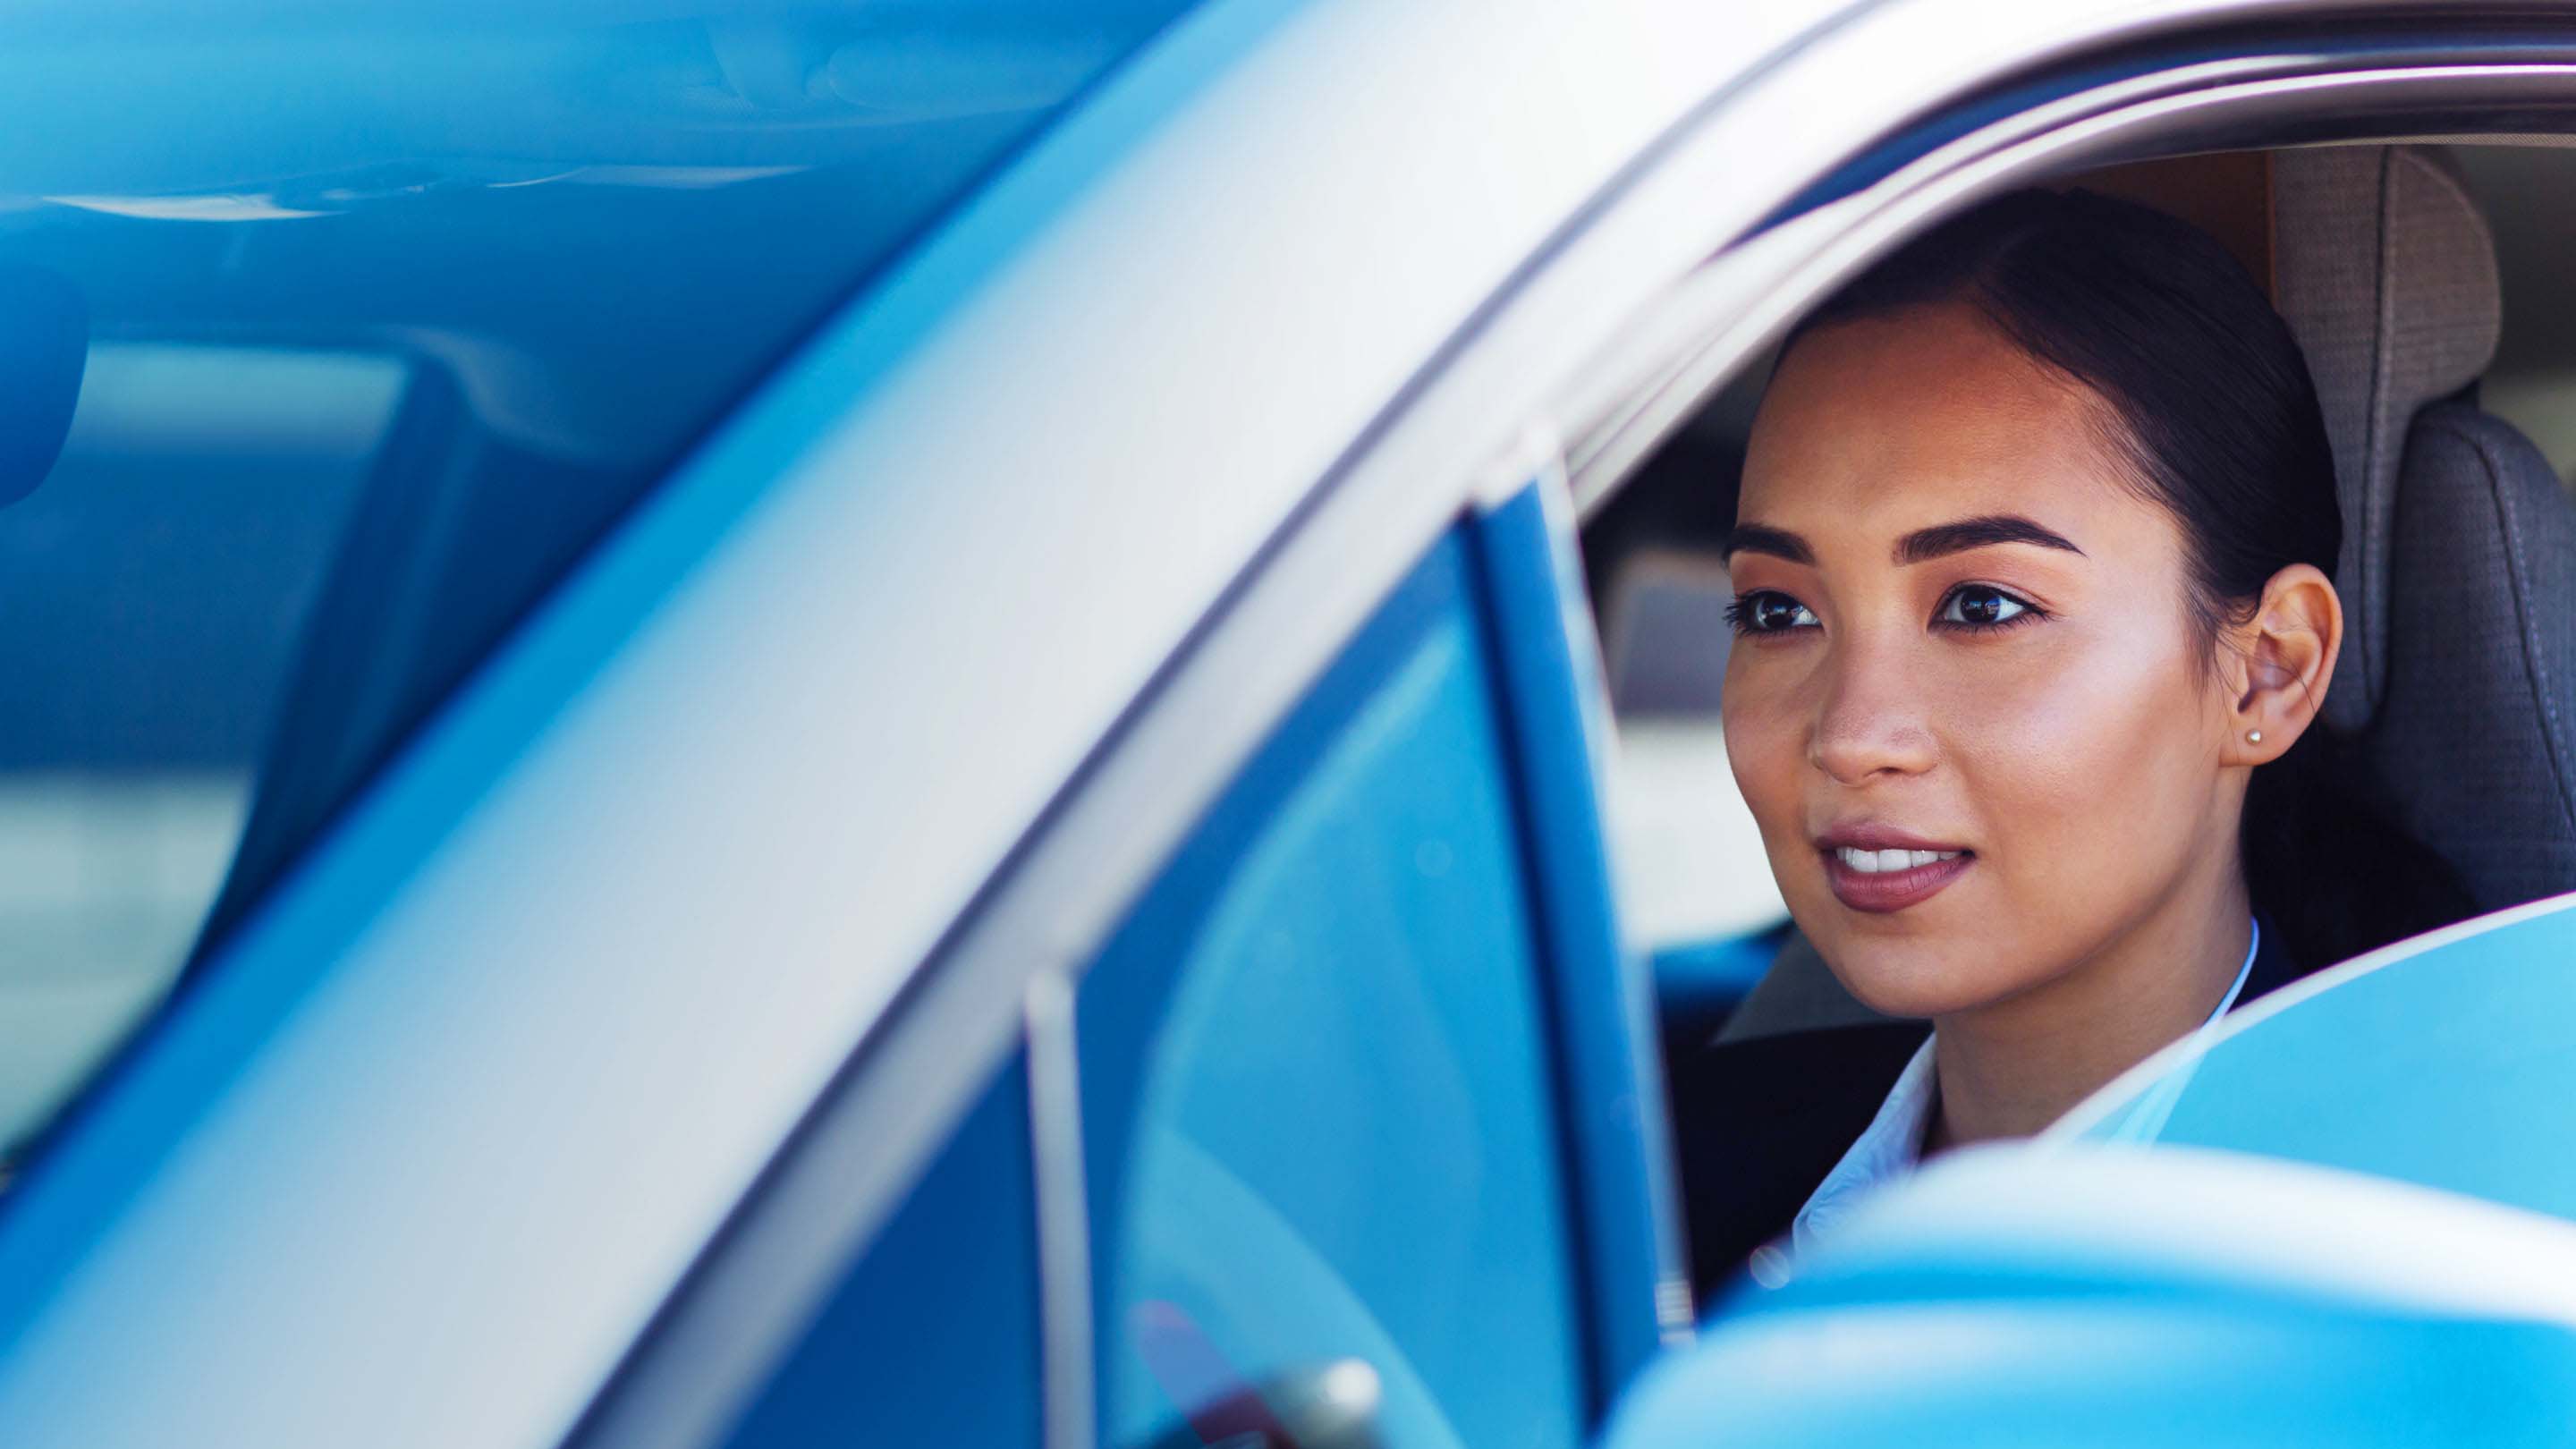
x=1071, y=1411
x=1675, y=362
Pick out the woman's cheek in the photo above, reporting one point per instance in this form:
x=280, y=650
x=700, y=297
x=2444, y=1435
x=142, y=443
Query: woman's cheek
x=2071, y=760
x=1764, y=743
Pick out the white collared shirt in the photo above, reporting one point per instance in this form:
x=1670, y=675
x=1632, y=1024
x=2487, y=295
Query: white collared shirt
x=1892, y=1144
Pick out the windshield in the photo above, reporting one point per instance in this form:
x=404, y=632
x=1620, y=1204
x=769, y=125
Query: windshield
x=331, y=336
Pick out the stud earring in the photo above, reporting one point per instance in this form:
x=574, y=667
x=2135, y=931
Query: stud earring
x=2253, y=737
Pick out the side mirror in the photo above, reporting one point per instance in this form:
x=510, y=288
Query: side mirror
x=2127, y=1297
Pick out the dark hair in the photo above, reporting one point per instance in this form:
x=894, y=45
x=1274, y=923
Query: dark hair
x=2218, y=419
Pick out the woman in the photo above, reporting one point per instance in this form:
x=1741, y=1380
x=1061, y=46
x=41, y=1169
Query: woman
x=2033, y=586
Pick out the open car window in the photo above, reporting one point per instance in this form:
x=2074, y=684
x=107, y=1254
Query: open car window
x=378, y=322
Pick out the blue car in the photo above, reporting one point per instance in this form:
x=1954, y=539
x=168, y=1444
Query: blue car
x=958, y=722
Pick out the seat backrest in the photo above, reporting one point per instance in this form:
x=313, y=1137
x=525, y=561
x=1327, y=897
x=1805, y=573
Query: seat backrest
x=2459, y=560
x=2472, y=734
x=2458, y=573
x=2386, y=272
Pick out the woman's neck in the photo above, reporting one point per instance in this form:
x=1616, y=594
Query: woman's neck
x=2011, y=1067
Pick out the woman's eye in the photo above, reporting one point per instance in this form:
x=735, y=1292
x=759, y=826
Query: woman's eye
x=1764, y=612
x=1980, y=606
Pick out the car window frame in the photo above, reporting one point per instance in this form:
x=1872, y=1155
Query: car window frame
x=2383, y=82
x=1010, y=972
x=2376, y=86
x=1491, y=585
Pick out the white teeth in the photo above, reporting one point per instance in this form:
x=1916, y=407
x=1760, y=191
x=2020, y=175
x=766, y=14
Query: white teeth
x=1874, y=862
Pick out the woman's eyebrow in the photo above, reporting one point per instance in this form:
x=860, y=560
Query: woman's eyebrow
x=1759, y=538
x=1968, y=533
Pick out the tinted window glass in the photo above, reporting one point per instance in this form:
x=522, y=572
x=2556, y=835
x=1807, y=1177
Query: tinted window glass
x=151, y=596
x=388, y=314
x=1323, y=1157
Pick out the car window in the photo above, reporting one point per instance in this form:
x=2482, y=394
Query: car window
x=933, y=1336
x=1323, y=1158
x=388, y=318
x=151, y=596
x=1693, y=871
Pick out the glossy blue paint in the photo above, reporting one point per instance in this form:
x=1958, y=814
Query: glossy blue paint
x=2453, y=1066
x=933, y=1338
x=2114, y=1367
x=1602, y=1006
x=181, y=1065
x=1315, y=1070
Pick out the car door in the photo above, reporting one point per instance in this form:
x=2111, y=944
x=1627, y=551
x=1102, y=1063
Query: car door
x=1345, y=1134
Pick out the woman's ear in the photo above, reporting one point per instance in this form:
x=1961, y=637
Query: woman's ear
x=2286, y=653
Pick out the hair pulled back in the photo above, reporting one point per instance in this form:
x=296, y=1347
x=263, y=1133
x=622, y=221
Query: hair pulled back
x=2213, y=407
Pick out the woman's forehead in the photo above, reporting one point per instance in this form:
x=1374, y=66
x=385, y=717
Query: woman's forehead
x=1885, y=425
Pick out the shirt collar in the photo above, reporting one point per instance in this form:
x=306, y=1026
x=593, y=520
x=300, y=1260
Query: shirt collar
x=1887, y=1149
x=1892, y=1144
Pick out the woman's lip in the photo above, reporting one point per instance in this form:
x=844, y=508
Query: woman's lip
x=1877, y=837
x=1879, y=892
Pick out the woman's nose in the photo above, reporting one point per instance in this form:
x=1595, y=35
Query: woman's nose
x=1869, y=723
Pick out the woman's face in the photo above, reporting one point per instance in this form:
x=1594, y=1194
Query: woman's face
x=1970, y=709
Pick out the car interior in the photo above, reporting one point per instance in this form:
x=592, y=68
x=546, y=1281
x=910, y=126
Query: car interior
x=2427, y=284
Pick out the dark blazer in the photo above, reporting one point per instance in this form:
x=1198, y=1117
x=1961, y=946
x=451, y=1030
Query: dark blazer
x=1759, y=1122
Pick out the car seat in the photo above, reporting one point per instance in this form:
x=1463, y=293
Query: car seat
x=2458, y=575
x=2459, y=557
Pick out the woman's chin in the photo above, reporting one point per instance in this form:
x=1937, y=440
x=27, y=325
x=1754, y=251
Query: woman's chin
x=1910, y=981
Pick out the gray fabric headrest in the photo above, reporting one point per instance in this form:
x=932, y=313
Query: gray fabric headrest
x=2387, y=275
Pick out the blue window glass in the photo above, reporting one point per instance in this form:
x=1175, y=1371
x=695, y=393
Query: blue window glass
x=367, y=321
x=2454, y=1067
x=933, y=1336
x=1324, y=1165
x=152, y=595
